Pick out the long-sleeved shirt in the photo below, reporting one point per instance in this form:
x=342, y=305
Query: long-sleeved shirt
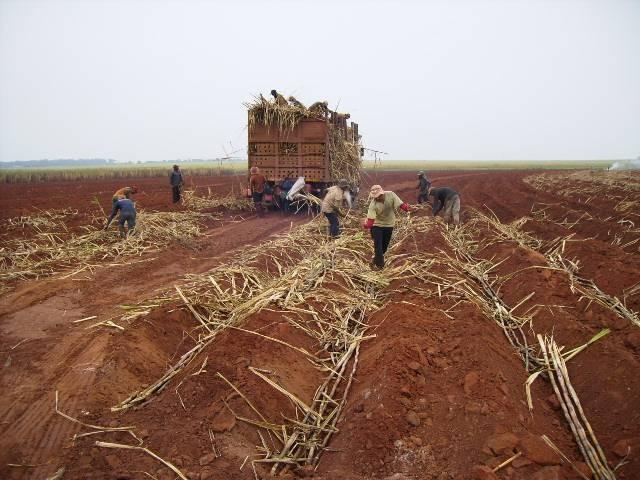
x=175, y=178
x=384, y=213
x=256, y=183
x=440, y=196
x=332, y=200
x=126, y=208
x=424, y=184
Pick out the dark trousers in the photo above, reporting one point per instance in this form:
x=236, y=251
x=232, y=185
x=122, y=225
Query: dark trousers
x=381, y=238
x=334, y=224
x=176, y=193
x=422, y=197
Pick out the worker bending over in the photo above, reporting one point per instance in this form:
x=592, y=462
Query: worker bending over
x=381, y=218
x=127, y=210
x=332, y=205
x=448, y=200
x=423, y=187
x=256, y=184
x=124, y=192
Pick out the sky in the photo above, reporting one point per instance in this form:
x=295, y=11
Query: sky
x=447, y=80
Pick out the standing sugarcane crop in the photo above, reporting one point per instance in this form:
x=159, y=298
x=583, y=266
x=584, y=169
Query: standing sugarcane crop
x=332, y=205
x=448, y=200
x=423, y=187
x=381, y=217
x=176, y=180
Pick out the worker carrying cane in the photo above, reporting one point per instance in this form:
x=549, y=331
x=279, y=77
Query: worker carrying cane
x=332, y=205
x=381, y=218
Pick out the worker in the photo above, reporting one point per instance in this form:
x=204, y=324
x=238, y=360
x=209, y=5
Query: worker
x=285, y=203
x=279, y=99
x=256, y=184
x=296, y=103
x=332, y=205
x=423, y=187
x=381, y=217
x=127, y=210
x=319, y=109
x=124, y=192
x=448, y=200
x=176, y=180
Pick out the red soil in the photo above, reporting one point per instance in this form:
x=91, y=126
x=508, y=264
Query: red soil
x=458, y=377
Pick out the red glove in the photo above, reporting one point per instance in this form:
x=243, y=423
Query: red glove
x=369, y=223
x=404, y=207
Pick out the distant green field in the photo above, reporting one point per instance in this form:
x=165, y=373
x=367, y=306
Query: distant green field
x=34, y=175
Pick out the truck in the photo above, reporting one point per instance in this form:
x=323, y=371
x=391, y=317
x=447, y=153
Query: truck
x=288, y=142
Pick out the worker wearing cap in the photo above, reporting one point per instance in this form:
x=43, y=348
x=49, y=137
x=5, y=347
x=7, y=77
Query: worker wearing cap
x=423, y=187
x=332, y=205
x=447, y=200
x=256, y=184
x=381, y=218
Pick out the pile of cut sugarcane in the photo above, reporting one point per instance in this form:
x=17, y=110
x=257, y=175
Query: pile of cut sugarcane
x=211, y=201
x=345, y=156
x=53, y=252
x=281, y=275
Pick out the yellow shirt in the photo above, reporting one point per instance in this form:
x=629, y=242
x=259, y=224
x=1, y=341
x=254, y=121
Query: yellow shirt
x=332, y=201
x=384, y=213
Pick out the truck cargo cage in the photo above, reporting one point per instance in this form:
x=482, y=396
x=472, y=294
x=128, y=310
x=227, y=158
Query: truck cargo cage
x=288, y=141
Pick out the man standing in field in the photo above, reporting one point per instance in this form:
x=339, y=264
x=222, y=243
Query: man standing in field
x=332, y=204
x=127, y=210
x=423, y=187
x=256, y=184
x=381, y=218
x=176, y=180
x=448, y=199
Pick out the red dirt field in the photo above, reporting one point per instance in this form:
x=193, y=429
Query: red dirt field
x=437, y=394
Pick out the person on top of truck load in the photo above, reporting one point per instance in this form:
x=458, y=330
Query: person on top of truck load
x=449, y=199
x=176, y=180
x=381, y=217
x=256, y=184
x=319, y=108
x=332, y=205
x=423, y=187
x=127, y=214
x=124, y=192
x=296, y=103
x=279, y=99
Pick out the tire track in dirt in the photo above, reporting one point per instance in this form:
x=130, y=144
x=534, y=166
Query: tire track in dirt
x=31, y=431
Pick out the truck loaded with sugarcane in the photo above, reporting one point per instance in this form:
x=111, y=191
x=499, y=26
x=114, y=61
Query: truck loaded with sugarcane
x=301, y=151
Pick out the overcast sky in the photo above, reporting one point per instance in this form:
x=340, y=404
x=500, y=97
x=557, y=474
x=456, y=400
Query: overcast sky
x=152, y=80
